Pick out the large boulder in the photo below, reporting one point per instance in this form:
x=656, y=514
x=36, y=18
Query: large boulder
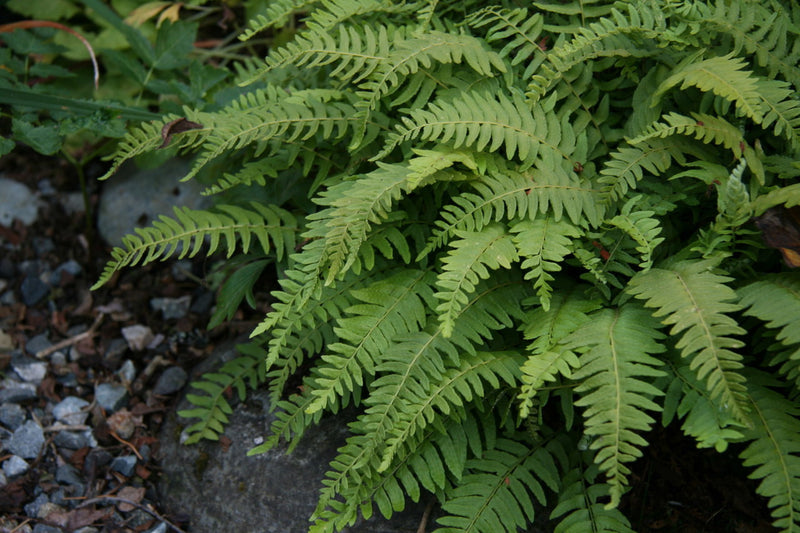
x=222, y=489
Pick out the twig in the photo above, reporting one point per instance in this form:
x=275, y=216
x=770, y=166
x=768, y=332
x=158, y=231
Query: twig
x=58, y=426
x=41, y=354
x=138, y=505
x=126, y=443
x=425, y=516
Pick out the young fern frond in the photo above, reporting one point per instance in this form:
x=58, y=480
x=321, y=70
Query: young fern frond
x=642, y=228
x=776, y=301
x=701, y=126
x=191, y=231
x=615, y=365
x=696, y=302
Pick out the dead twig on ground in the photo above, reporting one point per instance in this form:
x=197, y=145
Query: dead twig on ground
x=41, y=354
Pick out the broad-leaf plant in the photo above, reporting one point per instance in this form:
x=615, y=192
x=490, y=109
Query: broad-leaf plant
x=536, y=230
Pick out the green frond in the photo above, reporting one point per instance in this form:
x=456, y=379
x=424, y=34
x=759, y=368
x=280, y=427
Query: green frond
x=510, y=195
x=580, y=505
x=149, y=136
x=569, y=309
x=411, y=55
x=470, y=259
x=776, y=301
x=277, y=14
x=387, y=308
x=626, y=166
x=781, y=111
x=696, y=302
x=211, y=407
x=194, y=230
x=486, y=122
x=543, y=244
x=291, y=421
x=641, y=227
x=724, y=76
x=788, y=196
x=519, y=29
x=498, y=490
x=774, y=451
x=615, y=348
x=707, y=128
x=704, y=419
x=300, y=115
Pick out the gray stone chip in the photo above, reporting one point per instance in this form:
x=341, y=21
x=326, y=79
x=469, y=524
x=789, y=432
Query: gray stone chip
x=27, y=441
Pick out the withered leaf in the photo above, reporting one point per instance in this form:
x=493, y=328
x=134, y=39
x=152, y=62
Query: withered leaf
x=780, y=228
x=179, y=125
x=134, y=495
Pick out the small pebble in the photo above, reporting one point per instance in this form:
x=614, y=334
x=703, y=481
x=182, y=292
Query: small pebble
x=29, y=370
x=49, y=508
x=33, y=290
x=137, y=336
x=27, y=440
x=32, y=509
x=110, y=396
x=170, y=381
x=127, y=372
x=44, y=528
x=15, y=466
x=15, y=392
x=72, y=440
x=68, y=475
x=160, y=528
x=6, y=342
x=124, y=465
x=172, y=307
x=65, y=271
x=71, y=410
x=115, y=351
x=37, y=343
x=43, y=245
x=11, y=415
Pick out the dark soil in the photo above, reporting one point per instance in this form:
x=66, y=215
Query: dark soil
x=675, y=487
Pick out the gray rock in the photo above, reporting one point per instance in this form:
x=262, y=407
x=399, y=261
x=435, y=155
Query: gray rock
x=69, y=475
x=37, y=343
x=172, y=307
x=110, y=396
x=43, y=245
x=72, y=440
x=15, y=466
x=3, y=479
x=71, y=410
x=33, y=290
x=115, y=351
x=170, y=381
x=11, y=415
x=160, y=528
x=29, y=370
x=216, y=488
x=32, y=509
x=17, y=202
x=44, y=528
x=13, y=391
x=70, y=268
x=137, y=336
x=136, y=197
x=124, y=465
x=27, y=440
x=87, y=529
x=127, y=372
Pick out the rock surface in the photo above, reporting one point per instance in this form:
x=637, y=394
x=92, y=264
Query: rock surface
x=136, y=197
x=17, y=202
x=270, y=493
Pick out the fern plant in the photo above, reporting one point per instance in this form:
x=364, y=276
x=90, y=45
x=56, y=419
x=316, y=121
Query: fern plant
x=530, y=240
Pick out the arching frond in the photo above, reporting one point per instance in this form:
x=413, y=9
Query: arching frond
x=696, y=302
x=615, y=365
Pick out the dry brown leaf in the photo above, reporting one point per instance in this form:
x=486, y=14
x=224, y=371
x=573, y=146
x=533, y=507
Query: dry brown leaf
x=179, y=125
x=133, y=494
x=123, y=423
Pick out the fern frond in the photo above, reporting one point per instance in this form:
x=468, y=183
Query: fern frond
x=617, y=345
x=543, y=244
x=489, y=122
x=707, y=128
x=408, y=57
x=774, y=451
x=521, y=29
x=569, y=309
x=499, y=489
x=291, y=422
x=641, y=227
x=776, y=301
x=696, y=302
x=148, y=137
x=724, y=76
x=510, y=195
x=579, y=502
x=187, y=233
x=626, y=166
x=469, y=260
x=276, y=15
x=212, y=407
x=388, y=308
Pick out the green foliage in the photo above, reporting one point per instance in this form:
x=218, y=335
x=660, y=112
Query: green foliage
x=515, y=242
